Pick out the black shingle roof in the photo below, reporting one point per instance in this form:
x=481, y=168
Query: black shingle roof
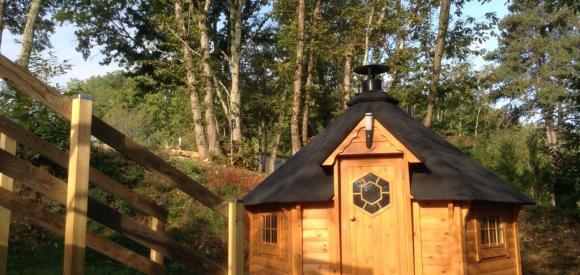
x=444, y=173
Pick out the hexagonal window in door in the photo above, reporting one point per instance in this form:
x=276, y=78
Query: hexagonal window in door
x=371, y=193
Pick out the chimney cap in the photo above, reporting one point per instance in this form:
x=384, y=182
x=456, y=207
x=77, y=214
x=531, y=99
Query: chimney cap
x=372, y=69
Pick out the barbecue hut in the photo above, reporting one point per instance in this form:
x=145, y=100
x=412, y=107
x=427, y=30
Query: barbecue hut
x=378, y=193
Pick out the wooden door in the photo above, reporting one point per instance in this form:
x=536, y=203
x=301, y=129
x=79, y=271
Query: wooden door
x=372, y=216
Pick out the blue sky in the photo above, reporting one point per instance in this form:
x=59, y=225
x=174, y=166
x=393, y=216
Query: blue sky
x=64, y=43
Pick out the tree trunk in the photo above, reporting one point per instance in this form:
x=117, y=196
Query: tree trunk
x=211, y=127
x=551, y=133
x=200, y=140
x=297, y=95
x=2, y=2
x=28, y=35
x=234, y=8
x=368, y=37
x=309, y=87
x=346, y=76
x=439, y=49
x=370, y=30
x=399, y=46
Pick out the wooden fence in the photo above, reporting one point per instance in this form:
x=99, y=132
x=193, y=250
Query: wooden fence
x=74, y=193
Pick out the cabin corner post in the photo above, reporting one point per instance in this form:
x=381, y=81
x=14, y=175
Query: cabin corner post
x=77, y=186
x=9, y=145
x=157, y=225
x=235, y=238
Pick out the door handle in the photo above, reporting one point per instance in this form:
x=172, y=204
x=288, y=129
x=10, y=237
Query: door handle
x=352, y=218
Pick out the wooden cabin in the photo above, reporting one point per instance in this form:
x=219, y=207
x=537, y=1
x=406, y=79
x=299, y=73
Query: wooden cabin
x=378, y=193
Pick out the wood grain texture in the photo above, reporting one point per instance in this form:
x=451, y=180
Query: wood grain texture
x=78, y=187
x=383, y=143
x=55, y=224
x=373, y=243
x=266, y=258
x=26, y=83
x=157, y=257
x=54, y=188
x=297, y=255
x=235, y=238
x=9, y=145
x=96, y=177
x=317, y=238
x=506, y=264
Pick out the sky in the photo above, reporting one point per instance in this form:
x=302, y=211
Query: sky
x=64, y=43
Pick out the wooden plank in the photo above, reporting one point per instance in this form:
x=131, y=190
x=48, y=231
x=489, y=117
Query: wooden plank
x=78, y=186
x=26, y=83
x=52, y=187
x=235, y=238
x=158, y=226
x=297, y=243
x=55, y=224
x=516, y=236
x=9, y=145
x=96, y=177
x=417, y=238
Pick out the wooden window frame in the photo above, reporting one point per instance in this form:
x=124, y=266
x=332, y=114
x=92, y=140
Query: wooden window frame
x=264, y=246
x=489, y=251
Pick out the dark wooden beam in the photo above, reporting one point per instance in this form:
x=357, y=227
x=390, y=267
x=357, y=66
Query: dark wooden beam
x=26, y=83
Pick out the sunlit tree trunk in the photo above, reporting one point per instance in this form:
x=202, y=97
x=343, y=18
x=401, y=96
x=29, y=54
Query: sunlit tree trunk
x=309, y=76
x=297, y=95
x=200, y=140
x=234, y=7
x=346, y=76
x=28, y=35
x=211, y=127
x=370, y=31
x=439, y=49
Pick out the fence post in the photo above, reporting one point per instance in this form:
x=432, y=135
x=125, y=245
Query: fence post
x=156, y=256
x=78, y=186
x=9, y=145
x=235, y=238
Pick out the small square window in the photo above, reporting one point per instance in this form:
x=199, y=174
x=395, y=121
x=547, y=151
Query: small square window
x=269, y=230
x=491, y=230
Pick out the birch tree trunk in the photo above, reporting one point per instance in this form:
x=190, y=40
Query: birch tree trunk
x=200, y=141
x=439, y=48
x=309, y=77
x=211, y=127
x=370, y=31
x=297, y=95
x=346, y=76
x=235, y=7
x=28, y=35
x=2, y=2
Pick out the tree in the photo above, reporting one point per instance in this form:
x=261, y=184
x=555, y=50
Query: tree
x=201, y=14
x=2, y=3
x=297, y=92
x=200, y=139
x=309, y=86
x=439, y=48
x=28, y=34
x=235, y=11
x=536, y=67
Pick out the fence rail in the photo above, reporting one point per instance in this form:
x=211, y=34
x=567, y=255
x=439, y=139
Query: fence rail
x=80, y=206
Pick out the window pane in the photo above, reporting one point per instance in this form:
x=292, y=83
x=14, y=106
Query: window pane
x=483, y=236
x=274, y=236
x=274, y=221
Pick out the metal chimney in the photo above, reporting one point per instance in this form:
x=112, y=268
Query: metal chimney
x=372, y=83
